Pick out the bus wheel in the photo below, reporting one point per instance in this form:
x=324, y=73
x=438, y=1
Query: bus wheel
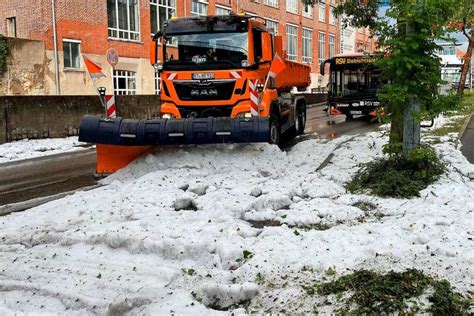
x=275, y=130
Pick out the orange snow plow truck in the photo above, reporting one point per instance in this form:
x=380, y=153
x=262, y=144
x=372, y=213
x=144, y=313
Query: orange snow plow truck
x=216, y=87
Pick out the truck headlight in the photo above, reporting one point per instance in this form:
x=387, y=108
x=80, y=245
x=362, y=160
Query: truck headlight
x=245, y=114
x=167, y=116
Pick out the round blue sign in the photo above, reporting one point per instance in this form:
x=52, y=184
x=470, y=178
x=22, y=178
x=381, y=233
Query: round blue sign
x=112, y=57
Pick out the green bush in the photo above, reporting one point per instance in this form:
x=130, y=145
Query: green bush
x=3, y=54
x=400, y=176
x=373, y=293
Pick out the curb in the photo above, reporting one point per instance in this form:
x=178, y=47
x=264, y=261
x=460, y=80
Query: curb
x=464, y=126
x=315, y=104
x=23, y=206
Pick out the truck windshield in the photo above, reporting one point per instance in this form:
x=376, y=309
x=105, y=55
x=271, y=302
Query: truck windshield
x=206, y=51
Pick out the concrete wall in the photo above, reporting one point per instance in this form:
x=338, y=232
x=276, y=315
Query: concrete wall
x=27, y=69
x=59, y=116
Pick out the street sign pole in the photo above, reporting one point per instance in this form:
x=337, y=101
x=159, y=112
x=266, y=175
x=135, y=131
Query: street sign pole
x=113, y=59
x=102, y=91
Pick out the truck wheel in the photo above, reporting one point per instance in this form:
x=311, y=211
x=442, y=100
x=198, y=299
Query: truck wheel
x=300, y=123
x=275, y=130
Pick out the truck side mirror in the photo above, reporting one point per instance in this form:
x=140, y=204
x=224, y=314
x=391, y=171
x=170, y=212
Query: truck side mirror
x=267, y=47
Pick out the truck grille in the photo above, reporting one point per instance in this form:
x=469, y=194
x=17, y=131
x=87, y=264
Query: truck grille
x=203, y=111
x=214, y=90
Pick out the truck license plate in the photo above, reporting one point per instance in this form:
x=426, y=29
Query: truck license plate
x=203, y=76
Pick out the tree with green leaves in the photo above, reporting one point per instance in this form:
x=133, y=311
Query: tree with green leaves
x=407, y=33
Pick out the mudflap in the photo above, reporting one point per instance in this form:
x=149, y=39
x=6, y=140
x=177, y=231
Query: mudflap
x=213, y=130
x=111, y=158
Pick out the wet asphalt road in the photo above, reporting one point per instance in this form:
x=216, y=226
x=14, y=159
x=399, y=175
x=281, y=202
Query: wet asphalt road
x=45, y=176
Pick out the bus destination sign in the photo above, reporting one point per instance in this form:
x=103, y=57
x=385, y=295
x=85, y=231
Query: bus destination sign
x=355, y=60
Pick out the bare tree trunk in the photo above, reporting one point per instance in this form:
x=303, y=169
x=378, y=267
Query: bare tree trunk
x=467, y=63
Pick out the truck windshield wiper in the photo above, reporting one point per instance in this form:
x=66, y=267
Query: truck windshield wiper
x=216, y=46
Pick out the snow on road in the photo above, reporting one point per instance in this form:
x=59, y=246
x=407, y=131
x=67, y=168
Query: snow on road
x=32, y=148
x=205, y=229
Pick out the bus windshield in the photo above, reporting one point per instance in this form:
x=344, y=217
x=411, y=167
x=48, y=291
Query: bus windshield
x=361, y=81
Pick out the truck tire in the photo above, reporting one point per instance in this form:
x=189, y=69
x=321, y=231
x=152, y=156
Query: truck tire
x=300, y=123
x=275, y=130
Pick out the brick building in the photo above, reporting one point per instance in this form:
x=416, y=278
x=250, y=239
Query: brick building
x=91, y=27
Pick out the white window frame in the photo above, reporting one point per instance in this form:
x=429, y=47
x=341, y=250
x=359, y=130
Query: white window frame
x=72, y=41
x=332, y=17
x=201, y=9
x=11, y=26
x=275, y=22
x=157, y=83
x=224, y=10
x=321, y=48
x=307, y=43
x=126, y=74
x=157, y=4
x=130, y=35
x=308, y=11
x=289, y=36
x=292, y=6
x=322, y=12
x=272, y=3
x=332, y=45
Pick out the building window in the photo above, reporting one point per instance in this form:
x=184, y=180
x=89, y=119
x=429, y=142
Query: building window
x=157, y=83
x=123, y=19
x=272, y=3
x=307, y=46
x=332, y=46
x=321, y=57
x=292, y=6
x=291, y=42
x=308, y=11
x=367, y=47
x=322, y=12
x=160, y=11
x=72, y=54
x=199, y=8
x=272, y=25
x=223, y=10
x=11, y=27
x=332, y=16
x=449, y=50
x=125, y=82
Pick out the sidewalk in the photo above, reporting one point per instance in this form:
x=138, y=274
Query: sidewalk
x=467, y=140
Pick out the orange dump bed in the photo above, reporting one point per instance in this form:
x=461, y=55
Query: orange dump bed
x=294, y=75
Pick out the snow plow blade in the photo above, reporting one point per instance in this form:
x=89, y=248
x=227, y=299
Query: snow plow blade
x=213, y=130
x=111, y=158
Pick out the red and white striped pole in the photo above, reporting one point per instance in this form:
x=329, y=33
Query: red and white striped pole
x=110, y=106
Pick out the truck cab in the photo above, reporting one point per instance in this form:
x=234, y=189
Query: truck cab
x=211, y=67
